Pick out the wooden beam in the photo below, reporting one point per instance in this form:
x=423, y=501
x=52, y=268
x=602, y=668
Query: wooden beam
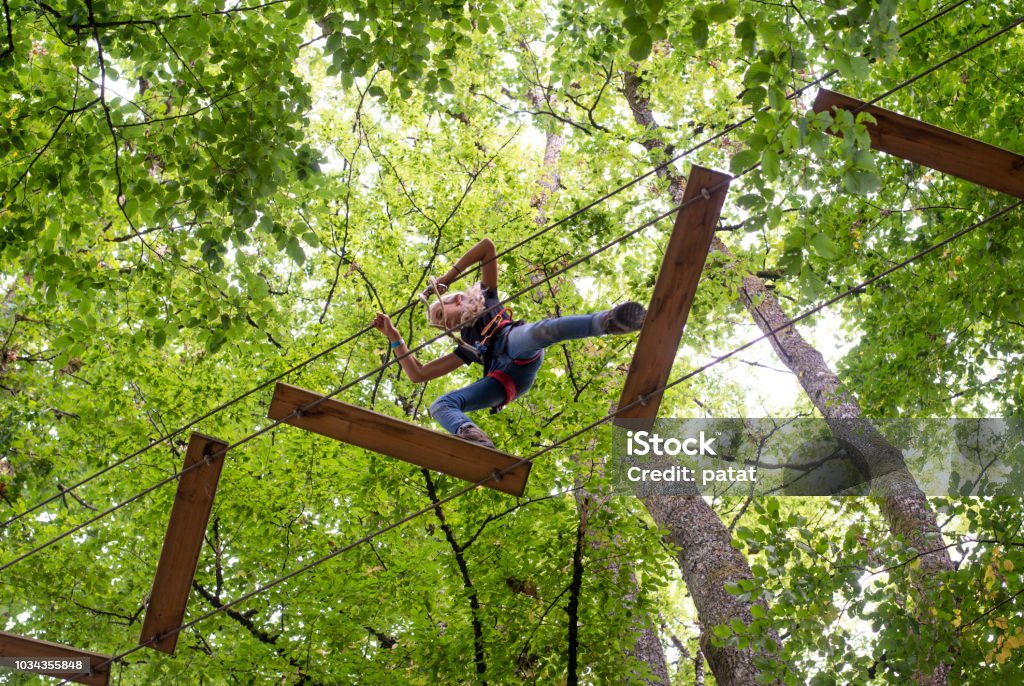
x=674, y=291
x=14, y=648
x=183, y=542
x=934, y=147
x=402, y=440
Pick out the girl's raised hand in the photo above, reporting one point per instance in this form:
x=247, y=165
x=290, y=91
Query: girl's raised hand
x=434, y=287
x=382, y=323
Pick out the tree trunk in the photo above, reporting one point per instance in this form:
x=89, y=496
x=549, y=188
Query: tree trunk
x=903, y=504
x=549, y=180
x=709, y=562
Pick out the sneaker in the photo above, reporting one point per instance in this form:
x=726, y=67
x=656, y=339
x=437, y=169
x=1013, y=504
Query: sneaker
x=473, y=434
x=623, y=318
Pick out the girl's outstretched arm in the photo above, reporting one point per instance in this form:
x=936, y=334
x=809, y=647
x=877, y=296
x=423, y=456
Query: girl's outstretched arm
x=417, y=371
x=483, y=252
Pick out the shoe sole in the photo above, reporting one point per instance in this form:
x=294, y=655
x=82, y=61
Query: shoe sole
x=629, y=316
x=487, y=443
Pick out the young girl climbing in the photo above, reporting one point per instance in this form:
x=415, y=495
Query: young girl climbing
x=510, y=351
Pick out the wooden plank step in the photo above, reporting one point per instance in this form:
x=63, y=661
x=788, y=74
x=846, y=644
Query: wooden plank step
x=935, y=147
x=681, y=268
x=183, y=542
x=14, y=648
x=393, y=437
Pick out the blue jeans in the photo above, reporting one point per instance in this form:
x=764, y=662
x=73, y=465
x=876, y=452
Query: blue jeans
x=511, y=349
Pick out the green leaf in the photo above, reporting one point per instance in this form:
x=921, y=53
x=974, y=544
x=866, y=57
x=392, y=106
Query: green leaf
x=722, y=12
x=853, y=67
x=811, y=284
x=771, y=164
x=755, y=96
x=819, y=142
x=747, y=27
x=216, y=341
x=699, y=32
x=743, y=160
x=295, y=251
x=860, y=66
x=757, y=74
x=640, y=47
x=860, y=182
x=292, y=10
x=771, y=33
x=824, y=246
x=751, y=201
x=635, y=25
x=258, y=288
x=722, y=631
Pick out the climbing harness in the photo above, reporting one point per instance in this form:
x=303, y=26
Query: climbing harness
x=482, y=350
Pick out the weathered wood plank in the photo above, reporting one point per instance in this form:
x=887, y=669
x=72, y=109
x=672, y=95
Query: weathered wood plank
x=935, y=147
x=19, y=647
x=674, y=291
x=402, y=440
x=183, y=542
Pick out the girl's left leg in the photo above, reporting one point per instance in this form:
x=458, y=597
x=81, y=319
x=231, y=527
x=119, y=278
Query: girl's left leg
x=525, y=341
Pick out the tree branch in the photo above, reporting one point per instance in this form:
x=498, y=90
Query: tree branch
x=250, y=626
x=93, y=24
x=67, y=491
x=128, y=619
x=575, y=587
x=121, y=201
x=467, y=582
x=49, y=142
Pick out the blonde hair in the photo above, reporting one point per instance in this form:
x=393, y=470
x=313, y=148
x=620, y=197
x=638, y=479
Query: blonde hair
x=472, y=307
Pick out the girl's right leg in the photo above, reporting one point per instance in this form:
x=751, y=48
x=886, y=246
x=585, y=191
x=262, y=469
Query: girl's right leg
x=450, y=409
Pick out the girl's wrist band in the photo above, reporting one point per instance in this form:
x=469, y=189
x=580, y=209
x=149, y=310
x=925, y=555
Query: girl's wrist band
x=395, y=344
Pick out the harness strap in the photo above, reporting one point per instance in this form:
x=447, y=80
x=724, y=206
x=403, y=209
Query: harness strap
x=508, y=384
x=486, y=334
